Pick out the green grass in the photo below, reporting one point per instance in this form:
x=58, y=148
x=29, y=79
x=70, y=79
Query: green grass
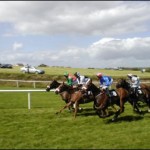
x=57, y=72
x=40, y=127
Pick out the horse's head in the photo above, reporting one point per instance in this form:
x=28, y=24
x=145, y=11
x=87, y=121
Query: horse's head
x=85, y=87
x=62, y=87
x=122, y=83
x=52, y=85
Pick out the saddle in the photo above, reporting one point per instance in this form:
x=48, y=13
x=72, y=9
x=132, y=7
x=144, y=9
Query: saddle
x=139, y=91
x=113, y=93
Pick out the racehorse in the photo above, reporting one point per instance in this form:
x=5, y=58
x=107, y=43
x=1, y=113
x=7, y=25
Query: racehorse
x=77, y=96
x=54, y=84
x=96, y=92
x=141, y=94
x=64, y=95
x=118, y=97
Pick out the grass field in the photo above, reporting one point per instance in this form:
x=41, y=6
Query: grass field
x=59, y=71
x=40, y=127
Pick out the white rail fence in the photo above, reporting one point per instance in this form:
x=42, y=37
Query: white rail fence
x=34, y=85
x=24, y=81
x=29, y=94
x=34, y=82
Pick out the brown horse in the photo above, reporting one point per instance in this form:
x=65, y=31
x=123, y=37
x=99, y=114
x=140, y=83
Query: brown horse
x=77, y=96
x=65, y=95
x=118, y=97
x=141, y=94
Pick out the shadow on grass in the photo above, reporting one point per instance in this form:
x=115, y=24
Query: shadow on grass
x=92, y=112
x=87, y=112
x=124, y=118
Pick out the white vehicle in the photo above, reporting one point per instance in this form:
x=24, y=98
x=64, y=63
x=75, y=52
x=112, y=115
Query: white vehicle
x=30, y=69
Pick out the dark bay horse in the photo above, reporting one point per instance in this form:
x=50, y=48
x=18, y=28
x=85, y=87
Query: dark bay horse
x=77, y=96
x=118, y=97
x=53, y=85
x=142, y=94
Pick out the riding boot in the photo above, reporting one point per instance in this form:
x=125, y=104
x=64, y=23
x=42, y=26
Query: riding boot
x=109, y=96
x=110, y=100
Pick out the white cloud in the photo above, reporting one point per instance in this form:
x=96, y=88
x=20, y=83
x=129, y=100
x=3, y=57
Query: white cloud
x=87, y=18
x=108, y=20
x=103, y=53
x=110, y=48
x=17, y=46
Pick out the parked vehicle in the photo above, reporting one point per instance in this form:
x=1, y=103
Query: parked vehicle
x=6, y=66
x=31, y=69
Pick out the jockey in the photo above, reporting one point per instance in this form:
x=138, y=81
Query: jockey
x=105, y=82
x=134, y=82
x=71, y=79
x=83, y=80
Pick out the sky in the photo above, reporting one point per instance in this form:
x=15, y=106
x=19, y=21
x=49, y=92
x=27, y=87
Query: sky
x=78, y=34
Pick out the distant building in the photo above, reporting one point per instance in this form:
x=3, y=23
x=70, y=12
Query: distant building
x=19, y=64
x=143, y=70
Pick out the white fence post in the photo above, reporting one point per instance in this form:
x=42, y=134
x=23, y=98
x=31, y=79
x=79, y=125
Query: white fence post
x=34, y=84
x=29, y=93
x=17, y=83
x=29, y=100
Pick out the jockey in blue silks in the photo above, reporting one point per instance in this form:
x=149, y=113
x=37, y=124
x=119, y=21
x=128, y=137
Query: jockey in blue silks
x=105, y=82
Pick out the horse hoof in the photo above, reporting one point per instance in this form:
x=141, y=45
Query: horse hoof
x=113, y=119
x=101, y=116
x=149, y=110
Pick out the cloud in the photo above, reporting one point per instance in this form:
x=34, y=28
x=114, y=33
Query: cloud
x=86, y=18
x=115, y=23
x=104, y=53
x=17, y=46
x=111, y=48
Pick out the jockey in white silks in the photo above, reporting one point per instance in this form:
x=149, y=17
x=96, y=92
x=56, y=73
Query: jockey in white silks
x=82, y=79
x=134, y=82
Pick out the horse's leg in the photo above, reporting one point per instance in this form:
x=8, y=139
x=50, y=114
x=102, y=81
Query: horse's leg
x=148, y=103
x=135, y=107
x=121, y=110
x=70, y=107
x=66, y=106
x=106, y=112
x=133, y=102
x=76, y=108
x=114, y=108
x=101, y=113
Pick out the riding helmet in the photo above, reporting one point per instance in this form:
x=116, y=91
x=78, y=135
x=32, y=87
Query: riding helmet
x=99, y=75
x=129, y=75
x=77, y=74
x=66, y=74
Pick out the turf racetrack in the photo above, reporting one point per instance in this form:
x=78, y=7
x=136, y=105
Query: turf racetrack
x=40, y=127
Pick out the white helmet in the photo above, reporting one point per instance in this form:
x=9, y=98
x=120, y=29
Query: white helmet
x=78, y=73
x=130, y=75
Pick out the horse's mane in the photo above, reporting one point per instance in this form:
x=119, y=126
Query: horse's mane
x=95, y=90
x=122, y=83
x=66, y=87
